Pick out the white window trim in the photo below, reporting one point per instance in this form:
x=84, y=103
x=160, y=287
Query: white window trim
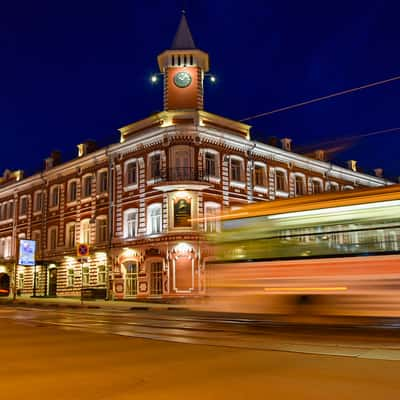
x=281, y=193
x=234, y=183
x=69, y=183
x=151, y=181
x=99, y=172
x=259, y=188
x=217, y=206
x=135, y=185
x=23, y=216
x=293, y=176
x=321, y=184
x=149, y=209
x=83, y=187
x=126, y=212
x=217, y=177
x=37, y=212
x=51, y=206
x=83, y=221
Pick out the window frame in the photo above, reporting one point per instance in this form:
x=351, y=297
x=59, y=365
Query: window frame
x=150, y=218
x=127, y=212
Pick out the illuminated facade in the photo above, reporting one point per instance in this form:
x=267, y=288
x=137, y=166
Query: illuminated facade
x=144, y=204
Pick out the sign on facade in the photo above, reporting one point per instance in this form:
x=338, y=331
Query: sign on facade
x=27, y=249
x=82, y=250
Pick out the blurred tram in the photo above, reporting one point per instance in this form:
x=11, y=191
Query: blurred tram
x=328, y=254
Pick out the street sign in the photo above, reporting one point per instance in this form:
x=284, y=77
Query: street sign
x=82, y=250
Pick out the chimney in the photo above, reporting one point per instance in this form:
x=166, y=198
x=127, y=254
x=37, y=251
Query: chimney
x=86, y=147
x=286, y=144
x=272, y=141
x=378, y=172
x=56, y=156
x=320, y=155
x=352, y=164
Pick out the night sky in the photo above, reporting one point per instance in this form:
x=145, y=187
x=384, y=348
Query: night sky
x=73, y=70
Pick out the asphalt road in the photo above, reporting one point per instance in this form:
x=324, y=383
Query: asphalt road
x=83, y=354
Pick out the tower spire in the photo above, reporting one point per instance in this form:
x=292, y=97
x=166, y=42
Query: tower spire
x=183, y=39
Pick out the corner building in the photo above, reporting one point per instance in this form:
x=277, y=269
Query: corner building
x=144, y=204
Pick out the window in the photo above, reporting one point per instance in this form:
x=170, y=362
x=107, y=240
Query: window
x=54, y=196
x=10, y=209
x=131, y=279
x=130, y=223
x=333, y=187
x=101, y=229
x=87, y=186
x=131, y=173
x=85, y=275
x=102, y=182
x=156, y=278
x=70, y=277
x=53, y=238
x=212, y=211
x=7, y=247
x=155, y=166
x=72, y=191
x=38, y=202
x=259, y=175
x=316, y=186
x=70, y=231
x=85, y=231
x=280, y=181
x=23, y=206
x=299, y=185
x=210, y=164
x=21, y=280
x=236, y=166
x=101, y=274
x=154, y=220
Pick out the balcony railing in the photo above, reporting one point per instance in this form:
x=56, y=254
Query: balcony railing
x=181, y=174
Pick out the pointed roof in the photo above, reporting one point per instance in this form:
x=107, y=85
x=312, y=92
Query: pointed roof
x=183, y=39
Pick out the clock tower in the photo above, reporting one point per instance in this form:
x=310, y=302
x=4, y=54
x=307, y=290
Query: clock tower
x=183, y=67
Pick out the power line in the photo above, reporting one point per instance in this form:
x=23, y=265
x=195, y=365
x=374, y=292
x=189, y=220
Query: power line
x=353, y=137
x=322, y=98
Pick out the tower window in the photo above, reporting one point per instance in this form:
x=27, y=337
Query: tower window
x=179, y=60
x=191, y=60
x=184, y=60
x=173, y=60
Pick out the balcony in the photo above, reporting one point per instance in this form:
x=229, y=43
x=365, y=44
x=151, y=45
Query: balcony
x=181, y=178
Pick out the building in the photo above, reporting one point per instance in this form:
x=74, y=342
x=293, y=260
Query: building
x=143, y=204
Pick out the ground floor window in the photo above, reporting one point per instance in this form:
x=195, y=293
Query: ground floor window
x=21, y=280
x=156, y=278
x=101, y=274
x=70, y=277
x=131, y=279
x=85, y=275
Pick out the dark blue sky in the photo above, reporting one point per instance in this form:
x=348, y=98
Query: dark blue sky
x=73, y=70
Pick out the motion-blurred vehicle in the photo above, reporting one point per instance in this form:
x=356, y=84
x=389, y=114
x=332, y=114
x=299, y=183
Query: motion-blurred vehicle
x=4, y=284
x=328, y=254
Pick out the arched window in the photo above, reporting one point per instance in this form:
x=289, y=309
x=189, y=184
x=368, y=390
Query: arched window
x=316, y=186
x=154, y=218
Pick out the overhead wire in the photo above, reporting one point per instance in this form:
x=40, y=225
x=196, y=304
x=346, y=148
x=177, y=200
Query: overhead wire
x=321, y=98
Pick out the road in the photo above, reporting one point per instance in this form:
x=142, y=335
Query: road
x=101, y=354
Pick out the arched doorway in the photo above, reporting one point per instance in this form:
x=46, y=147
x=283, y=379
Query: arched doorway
x=4, y=284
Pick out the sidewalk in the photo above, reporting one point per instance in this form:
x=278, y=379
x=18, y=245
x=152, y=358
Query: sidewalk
x=66, y=302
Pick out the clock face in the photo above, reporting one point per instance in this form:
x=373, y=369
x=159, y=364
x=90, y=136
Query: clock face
x=182, y=79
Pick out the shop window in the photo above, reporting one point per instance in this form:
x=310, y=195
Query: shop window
x=101, y=274
x=70, y=277
x=85, y=275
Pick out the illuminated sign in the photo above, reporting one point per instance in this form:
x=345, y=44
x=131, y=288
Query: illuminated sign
x=182, y=213
x=27, y=250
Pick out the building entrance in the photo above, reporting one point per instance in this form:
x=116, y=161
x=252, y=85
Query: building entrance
x=53, y=282
x=131, y=279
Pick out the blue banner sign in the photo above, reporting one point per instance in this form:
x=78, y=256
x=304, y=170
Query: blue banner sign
x=27, y=250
